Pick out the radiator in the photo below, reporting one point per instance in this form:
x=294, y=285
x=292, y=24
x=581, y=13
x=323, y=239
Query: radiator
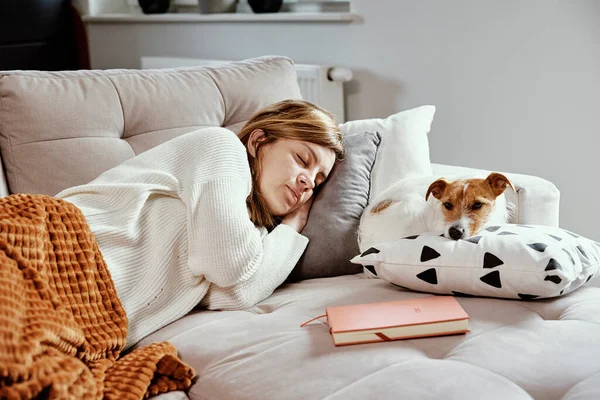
x=319, y=84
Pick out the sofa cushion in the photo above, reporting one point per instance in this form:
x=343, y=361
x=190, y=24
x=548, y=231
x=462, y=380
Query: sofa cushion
x=516, y=350
x=60, y=129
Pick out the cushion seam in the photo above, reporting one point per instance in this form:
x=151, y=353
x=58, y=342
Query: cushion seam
x=203, y=69
x=111, y=137
x=170, y=128
x=581, y=381
x=121, y=104
x=379, y=136
x=222, y=97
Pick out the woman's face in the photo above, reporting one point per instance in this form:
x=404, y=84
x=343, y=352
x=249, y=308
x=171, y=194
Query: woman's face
x=290, y=171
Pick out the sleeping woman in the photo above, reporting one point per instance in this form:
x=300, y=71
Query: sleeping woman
x=210, y=218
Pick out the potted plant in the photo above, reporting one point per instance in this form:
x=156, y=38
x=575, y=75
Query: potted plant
x=265, y=6
x=154, y=6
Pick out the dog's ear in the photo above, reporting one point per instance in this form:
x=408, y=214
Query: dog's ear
x=498, y=183
x=437, y=188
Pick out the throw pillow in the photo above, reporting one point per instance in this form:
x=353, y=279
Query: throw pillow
x=508, y=261
x=336, y=210
x=404, y=148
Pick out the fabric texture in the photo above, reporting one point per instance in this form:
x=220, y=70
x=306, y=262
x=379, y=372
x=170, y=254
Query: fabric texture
x=508, y=261
x=62, y=326
x=173, y=227
x=404, y=148
x=334, y=216
x=62, y=129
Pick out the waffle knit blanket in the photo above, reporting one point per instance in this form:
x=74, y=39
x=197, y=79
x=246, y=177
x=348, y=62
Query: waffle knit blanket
x=62, y=326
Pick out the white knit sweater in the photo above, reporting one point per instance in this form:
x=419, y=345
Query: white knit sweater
x=173, y=227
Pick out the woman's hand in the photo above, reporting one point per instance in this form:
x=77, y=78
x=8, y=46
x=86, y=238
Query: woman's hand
x=298, y=218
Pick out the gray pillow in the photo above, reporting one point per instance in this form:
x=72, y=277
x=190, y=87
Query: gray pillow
x=336, y=211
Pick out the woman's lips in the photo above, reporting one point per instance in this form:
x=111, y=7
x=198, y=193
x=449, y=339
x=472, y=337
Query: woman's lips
x=294, y=195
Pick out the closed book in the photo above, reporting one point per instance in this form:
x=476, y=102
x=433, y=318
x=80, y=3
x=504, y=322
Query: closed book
x=399, y=319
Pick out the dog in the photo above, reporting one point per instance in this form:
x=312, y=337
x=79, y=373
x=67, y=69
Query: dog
x=457, y=209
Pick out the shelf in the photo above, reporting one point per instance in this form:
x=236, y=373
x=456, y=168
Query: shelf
x=345, y=17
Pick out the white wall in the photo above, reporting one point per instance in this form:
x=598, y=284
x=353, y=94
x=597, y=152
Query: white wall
x=516, y=83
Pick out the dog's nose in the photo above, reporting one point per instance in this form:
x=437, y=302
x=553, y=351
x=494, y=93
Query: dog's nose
x=456, y=233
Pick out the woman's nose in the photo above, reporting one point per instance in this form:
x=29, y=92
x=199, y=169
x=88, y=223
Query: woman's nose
x=306, y=182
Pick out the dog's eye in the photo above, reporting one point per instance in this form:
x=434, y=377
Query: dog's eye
x=448, y=205
x=476, y=206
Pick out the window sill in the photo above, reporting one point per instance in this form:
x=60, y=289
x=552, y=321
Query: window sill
x=344, y=17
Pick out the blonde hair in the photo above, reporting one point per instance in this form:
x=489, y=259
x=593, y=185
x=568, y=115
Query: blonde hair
x=288, y=119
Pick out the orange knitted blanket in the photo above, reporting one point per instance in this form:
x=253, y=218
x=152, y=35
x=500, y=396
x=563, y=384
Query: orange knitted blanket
x=62, y=326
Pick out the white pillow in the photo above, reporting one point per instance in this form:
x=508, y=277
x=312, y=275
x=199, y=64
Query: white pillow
x=404, y=147
x=508, y=261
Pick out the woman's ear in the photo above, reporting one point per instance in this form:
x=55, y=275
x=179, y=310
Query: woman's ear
x=257, y=136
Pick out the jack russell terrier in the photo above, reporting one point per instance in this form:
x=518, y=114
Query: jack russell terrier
x=459, y=209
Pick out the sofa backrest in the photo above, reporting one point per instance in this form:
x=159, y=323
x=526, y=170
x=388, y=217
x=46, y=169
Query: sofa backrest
x=61, y=129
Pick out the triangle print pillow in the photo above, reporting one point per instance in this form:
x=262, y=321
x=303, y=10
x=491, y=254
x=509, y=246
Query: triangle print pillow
x=508, y=261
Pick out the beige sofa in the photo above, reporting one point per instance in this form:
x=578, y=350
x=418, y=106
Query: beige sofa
x=59, y=129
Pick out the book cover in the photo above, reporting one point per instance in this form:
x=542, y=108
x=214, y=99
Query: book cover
x=399, y=319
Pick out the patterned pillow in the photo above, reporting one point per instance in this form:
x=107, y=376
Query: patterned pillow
x=508, y=261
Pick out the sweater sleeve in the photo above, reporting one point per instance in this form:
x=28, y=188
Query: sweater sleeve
x=227, y=249
x=283, y=247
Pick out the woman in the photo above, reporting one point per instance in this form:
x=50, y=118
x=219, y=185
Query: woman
x=188, y=221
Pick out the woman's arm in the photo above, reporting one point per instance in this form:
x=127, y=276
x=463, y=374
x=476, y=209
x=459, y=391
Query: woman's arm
x=224, y=245
x=280, y=250
x=243, y=263
x=283, y=247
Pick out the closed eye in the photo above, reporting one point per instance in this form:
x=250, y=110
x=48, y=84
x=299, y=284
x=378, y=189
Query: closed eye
x=301, y=160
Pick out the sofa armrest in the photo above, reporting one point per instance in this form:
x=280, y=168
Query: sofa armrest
x=536, y=201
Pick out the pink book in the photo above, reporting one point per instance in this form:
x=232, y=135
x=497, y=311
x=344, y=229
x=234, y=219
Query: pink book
x=399, y=319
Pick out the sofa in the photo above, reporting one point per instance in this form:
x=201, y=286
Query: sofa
x=59, y=129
